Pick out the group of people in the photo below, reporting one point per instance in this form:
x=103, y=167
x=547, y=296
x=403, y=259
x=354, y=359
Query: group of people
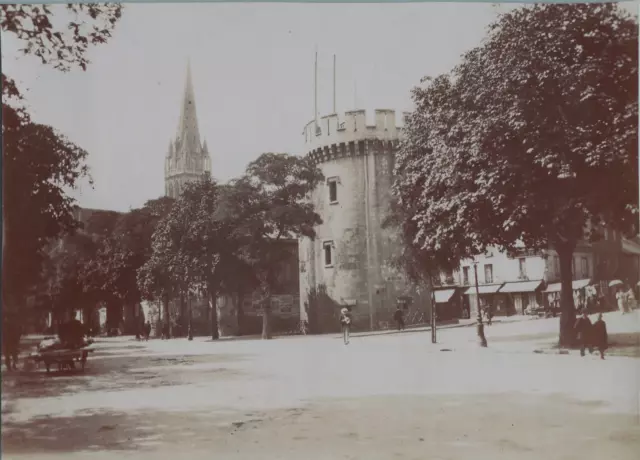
x=591, y=336
x=626, y=300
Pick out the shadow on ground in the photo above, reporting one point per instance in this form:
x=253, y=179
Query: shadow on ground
x=505, y=426
x=119, y=367
x=620, y=344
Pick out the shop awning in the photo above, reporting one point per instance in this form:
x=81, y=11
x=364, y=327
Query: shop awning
x=630, y=247
x=485, y=289
x=444, y=296
x=577, y=284
x=521, y=286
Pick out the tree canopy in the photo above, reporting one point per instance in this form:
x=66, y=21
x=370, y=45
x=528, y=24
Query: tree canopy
x=38, y=164
x=531, y=139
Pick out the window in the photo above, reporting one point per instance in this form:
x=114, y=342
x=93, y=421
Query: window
x=465, y=276
x=488, y=273
x=327, y=247
x=333, y=190
x=585, y=267
x=522, y=265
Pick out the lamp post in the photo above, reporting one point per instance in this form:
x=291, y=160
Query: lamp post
x=482, y=340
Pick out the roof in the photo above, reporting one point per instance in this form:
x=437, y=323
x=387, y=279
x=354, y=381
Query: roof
x=521, y=286
x=577, y=284
x=483, y=289
x=443, y=296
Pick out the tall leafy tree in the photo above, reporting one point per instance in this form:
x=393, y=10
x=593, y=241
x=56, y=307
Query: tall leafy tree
x=276, y=208
x=124, y=246
x=532, y=138
x=38, y=162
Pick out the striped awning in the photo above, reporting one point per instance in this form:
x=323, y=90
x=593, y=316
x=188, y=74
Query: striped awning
x=483, y=289
x=577, y=284
x=521, y=286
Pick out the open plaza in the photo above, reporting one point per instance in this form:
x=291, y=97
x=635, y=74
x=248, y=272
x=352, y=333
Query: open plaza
x=384, y=396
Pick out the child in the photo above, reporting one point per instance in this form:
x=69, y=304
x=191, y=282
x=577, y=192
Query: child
x=345, y=321
x=599, y=334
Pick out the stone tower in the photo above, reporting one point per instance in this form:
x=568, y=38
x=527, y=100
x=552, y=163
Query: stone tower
x=187, y=159
x=351, y=249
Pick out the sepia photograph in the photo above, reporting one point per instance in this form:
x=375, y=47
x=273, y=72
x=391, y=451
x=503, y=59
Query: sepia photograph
x=286, y=230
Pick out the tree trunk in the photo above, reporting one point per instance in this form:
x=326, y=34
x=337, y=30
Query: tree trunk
x=215, y=332
x=166, y=317
x=266, y=319
x=183, y=305
x=567, y=307
x=240, y=313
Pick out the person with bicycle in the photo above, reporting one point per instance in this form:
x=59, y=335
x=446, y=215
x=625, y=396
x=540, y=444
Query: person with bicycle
x=345, y=322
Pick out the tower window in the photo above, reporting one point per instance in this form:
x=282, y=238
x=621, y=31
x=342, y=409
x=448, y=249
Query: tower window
x=333, y=189
x=327, y=249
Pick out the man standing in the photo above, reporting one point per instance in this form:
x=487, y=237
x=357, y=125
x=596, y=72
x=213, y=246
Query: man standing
x=398, y=316
x=345, y=321
x=599, y=335
x=583, y=332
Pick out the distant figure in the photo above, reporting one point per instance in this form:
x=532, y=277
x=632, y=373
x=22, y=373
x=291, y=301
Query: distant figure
x=621, y=298
x=600, y=339
x=583, y=332
x=345, y=321
x=11, y=333
x=165, y=330
x=398, y=316
x=489, y=312
x=147, y=330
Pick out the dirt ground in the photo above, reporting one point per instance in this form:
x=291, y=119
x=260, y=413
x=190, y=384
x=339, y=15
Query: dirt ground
x=383, y=397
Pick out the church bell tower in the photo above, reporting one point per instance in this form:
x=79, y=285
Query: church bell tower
x=188, y=158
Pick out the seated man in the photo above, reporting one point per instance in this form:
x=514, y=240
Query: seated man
x=72, y=334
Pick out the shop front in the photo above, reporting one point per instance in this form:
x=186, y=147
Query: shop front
x=584, y=294
x=488, y=296
x=521, y=295
x=448, y=304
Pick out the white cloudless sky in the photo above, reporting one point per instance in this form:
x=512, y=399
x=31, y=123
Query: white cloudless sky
x=252, y=67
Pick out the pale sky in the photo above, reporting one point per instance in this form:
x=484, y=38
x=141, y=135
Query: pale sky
x=252, y=68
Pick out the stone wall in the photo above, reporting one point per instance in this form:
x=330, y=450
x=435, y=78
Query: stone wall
x=359, y=160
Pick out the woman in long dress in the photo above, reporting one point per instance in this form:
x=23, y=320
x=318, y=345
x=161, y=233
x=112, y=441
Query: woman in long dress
x=620, y=297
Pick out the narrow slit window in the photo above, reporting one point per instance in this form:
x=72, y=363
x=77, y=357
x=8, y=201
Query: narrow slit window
x=333, y=191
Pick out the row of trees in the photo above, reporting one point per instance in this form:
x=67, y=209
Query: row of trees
x=531, y=139
x=226, y=238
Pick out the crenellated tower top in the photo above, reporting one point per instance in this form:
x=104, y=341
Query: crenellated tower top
x=337, y=133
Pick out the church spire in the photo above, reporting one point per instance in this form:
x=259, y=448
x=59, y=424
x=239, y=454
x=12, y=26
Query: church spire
x=188, y=131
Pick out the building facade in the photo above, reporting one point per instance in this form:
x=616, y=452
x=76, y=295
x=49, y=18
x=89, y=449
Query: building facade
x=188, y=158
x=346, y=265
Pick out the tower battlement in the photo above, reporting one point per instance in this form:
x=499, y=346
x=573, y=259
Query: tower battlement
x=352, y=126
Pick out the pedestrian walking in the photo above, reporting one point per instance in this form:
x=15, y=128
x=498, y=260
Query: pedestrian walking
x=489, y=311
x=398, y=316
x=345, y=321
x=600, y=339
x=583, y=332
x=147, y=331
